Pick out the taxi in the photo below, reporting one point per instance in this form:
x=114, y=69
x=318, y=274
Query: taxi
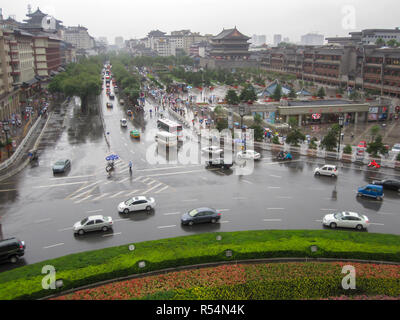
x=135, y=134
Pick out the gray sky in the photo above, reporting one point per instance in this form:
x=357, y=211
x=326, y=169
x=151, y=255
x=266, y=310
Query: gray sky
x=291, y=18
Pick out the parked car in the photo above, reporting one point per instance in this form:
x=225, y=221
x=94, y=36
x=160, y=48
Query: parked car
x=396, y=147
x=327, y=170
x=212, y=150
x=137, y=204
x=248, y=155
x=346, y=219
x=11, y=250
x=200, y=215
x=371, y=190
x=112, y=96
x=109, y=105
x=389, y=184
x=93, y=223
x=61, y=166
x=218, y=162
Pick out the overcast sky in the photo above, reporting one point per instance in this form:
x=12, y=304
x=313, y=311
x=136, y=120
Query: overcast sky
x=291, y=18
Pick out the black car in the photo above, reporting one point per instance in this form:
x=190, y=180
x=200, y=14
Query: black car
x=388, y=184
x=11, y=250
x=200, y=215
x=218, y=163
x=112, y=96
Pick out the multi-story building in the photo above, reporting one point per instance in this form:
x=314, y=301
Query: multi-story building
x=47, y=54
x=199, y=49
x=367, y=36
x=230, y=44
x=258, y=40
x=9, y=95
x=277, y=39
x=78, y=37
x=119, y=42
x=312, y=39
x=165, y=47
x=364, y=67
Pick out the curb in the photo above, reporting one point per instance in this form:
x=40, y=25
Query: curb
x=216, y=264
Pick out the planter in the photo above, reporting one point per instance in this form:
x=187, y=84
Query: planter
x=294, y=150
x=339, y=96
x=347, y=157
x=397, y=165
x=312, y=152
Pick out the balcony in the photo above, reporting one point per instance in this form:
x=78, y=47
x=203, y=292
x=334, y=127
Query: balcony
x=392, y=66
x=395, y=78
x=369, y=75
x=323, y=61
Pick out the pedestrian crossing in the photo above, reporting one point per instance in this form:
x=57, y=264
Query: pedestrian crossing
x=91, y=192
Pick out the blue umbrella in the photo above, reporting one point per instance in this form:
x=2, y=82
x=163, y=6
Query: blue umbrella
x=189, y=87
x=112, y=157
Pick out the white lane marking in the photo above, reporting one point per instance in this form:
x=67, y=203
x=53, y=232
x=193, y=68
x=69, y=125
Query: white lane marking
x=123, y=180
x=272, y=220
x=59, y=185
x=125, y=144
x=284, y=197
x=150, y=183
x=246, y=181
x=137, y=179
x=93, y=211
x=329, y=209
x=117, y=194
x=162, y=189
x=84, y=193
x=132, y=152
x=112, y=234
x=224, y=221
x=132, y=192
x=80, y=189
x=377, y=224
x=54, y=245
x=43, y=220
x=144, y=180
x=83, y=199
x=168, y=168
x=75, y=177
x=171, y=213
x=275, y=208
x=101, y=196
x=8, y=190
x=152, y=188
x=271, y=175
x=274, y=187
x=318, y=220
x=163, y=227
x=141, y=159
x=118, y=220
x=65, y=229
x=189, y=200
x=174, y=173
x=239, y=198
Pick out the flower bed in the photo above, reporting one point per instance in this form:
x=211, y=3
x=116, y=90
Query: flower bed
x=254, y=281
x=90, y=267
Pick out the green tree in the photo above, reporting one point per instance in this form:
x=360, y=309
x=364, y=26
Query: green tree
x=277, y=95
x=347, y=149
x=292, y=93
x=330, y=140
x=248, y=94
x=380, y=42
x=231, y=97
x=222, y=124
x=393, y=43
x=321, y=93
x=374, y=131
x=377, y=147
x=354, y=95
x=294, y=137
x=275, y=140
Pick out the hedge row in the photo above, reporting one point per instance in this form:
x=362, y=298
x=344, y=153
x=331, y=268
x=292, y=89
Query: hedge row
x=90, y=267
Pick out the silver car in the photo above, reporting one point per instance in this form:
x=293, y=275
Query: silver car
x=346, y=219
x=93, y=223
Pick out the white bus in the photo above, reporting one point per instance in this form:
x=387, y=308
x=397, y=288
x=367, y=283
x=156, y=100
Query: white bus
x=166, y=138
x=171, y=127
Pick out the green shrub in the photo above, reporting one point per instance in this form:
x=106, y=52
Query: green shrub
x=347, y=149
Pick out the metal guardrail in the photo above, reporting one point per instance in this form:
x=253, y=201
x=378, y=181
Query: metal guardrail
x=21, y=147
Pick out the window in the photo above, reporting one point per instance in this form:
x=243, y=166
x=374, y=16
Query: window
x=91, y=222
x=99, y=221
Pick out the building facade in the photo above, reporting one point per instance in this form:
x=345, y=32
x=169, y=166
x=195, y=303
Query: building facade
x=230, y=44
x=312, y=39
x=367, y=36
x=78, y=37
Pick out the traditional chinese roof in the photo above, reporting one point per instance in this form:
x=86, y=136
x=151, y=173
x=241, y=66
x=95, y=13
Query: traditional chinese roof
x=230, y=34
x=156, y=33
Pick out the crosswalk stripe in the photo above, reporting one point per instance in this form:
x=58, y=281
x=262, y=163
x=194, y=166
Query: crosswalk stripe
x=130, y=193
x=156, y=186
x=162, y=189
x=101, y=196
x=84, y=193
x=79, y=201
x=82, y=188
x=117, y=194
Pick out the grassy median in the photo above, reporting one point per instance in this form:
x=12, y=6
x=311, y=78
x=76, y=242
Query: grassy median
x=94, y=266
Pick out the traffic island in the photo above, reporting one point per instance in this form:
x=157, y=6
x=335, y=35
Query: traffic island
x=111, y=264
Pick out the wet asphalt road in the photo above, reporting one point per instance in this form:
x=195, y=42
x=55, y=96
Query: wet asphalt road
x=40, y=208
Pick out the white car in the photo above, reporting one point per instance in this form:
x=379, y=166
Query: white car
x=396, y=147
x=248, y=155
x=93, y=223
x=124, y=123
x=212, y=150
x=137, y=204
x=346, y=219
x=327, y=170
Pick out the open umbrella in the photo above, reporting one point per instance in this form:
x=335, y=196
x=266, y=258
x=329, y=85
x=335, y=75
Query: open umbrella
x=112, y=157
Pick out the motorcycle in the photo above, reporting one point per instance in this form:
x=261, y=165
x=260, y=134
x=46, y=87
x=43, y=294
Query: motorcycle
x=284, y=156
x=110, y=166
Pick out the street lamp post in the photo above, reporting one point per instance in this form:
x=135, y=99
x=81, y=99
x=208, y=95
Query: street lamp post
x=242, y=112
x=341, y=119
